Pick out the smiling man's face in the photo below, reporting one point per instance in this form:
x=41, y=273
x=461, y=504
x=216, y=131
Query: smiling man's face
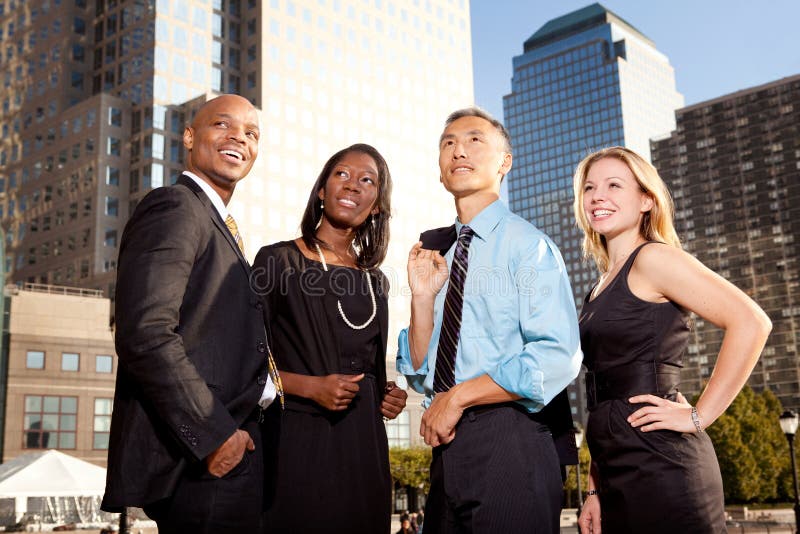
x=223, y=142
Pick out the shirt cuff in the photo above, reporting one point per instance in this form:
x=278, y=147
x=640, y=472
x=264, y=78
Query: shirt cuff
x=268, y=395
x=416, y=378
x=516, y=377
x=404, y=364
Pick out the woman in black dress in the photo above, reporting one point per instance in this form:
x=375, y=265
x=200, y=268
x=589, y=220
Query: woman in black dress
x=653, y=468
x=326, y=308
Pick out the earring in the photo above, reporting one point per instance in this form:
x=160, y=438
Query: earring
x=321, y=205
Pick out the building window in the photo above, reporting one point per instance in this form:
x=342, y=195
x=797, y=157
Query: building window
x=114, y=146
x=50, y=422
x=111, y=238
x=102, y=422
x=79, y=26
x=35, y=359
x=112, y=206
x=114, y=116
x=112, y=176
x=103, y=363
x=70, y=361
x=398, y=430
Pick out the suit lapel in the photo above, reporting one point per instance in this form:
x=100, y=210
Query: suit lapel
x=440, y=239
x=215, y=217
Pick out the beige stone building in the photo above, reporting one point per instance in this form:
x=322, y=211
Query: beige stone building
x=60, y=375
x=95, y=95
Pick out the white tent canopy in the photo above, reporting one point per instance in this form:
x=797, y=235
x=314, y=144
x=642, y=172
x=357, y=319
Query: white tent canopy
x=50, y=474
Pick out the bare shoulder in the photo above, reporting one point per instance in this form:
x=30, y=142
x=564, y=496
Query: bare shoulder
x=658, y=269
x=662, y=259
x=657, y=252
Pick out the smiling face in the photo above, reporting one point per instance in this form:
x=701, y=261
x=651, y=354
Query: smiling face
x=223, y=142
x=613, y=200
x=472, y=157
x=351, y=190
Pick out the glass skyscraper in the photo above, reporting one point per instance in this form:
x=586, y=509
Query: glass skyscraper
x=585, y=80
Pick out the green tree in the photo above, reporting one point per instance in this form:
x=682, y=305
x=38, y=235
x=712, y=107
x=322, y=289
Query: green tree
x=571, y=483
x=752, y=450
x=736, y=461
x=410, y=466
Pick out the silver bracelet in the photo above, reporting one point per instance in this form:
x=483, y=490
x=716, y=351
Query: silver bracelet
x=696, y=420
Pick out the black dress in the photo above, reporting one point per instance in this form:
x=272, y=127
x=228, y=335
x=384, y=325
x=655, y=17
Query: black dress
x=332, y=467
x=658, y=481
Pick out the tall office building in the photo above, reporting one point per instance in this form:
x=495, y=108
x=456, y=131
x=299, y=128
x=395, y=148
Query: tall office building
x=96, y=94
x=585, y=81
x=733, y=166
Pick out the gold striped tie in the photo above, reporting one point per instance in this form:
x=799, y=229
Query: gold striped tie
x=276, y=377
x=231, y=224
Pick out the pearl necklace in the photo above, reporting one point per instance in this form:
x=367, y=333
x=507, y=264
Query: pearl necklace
x=339, y=302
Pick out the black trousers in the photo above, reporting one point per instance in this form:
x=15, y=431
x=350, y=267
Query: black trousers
x=499, y=474
x=204, y=504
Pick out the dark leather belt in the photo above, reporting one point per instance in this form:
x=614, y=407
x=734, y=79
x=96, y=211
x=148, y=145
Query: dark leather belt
x=540, y=416
x=483, y=408
x=625, y=381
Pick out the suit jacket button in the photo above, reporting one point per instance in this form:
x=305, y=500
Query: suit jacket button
x=259, y=306
x=261, y=347
x=262, y=380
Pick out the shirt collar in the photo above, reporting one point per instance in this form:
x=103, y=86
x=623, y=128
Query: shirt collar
x=212, y=195
x=487, y=220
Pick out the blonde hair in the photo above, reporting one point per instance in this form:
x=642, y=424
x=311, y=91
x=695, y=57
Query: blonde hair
x=656, y=224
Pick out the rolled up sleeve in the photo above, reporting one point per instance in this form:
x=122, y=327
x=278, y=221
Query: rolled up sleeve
x=550, y=358
x=415, y=377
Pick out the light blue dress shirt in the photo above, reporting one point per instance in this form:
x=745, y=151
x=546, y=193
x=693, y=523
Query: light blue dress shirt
x=518, y=323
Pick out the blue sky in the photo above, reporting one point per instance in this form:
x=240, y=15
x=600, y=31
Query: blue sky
x=715, y=46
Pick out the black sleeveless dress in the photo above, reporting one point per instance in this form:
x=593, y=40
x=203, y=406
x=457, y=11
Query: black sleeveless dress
x=658, y=481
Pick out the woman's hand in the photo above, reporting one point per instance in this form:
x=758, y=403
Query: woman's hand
x=677, y=276
x=394, y=400
x=427, y=271
x=335, y=392
x=589, y=521
x=662, y=414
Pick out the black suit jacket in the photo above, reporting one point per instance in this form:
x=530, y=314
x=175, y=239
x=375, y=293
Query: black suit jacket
x=557, y=415
x=190, y=340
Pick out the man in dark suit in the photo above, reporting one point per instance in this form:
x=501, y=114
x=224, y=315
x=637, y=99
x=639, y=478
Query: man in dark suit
x=191, y=342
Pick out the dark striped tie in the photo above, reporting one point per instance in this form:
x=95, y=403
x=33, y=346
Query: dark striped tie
x=445, y=376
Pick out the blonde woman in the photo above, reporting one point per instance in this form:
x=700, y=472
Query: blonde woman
x=653, y=467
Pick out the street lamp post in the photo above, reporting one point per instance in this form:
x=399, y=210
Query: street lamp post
x=578, y=442
x=124, y=527
x=789, y=421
